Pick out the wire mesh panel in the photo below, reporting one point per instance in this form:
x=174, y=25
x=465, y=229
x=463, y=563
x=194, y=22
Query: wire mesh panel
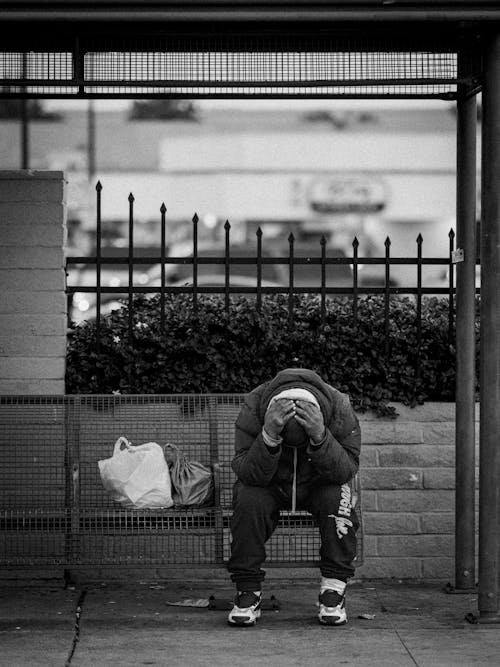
x=256, y=73
x=227, y=412
x=32, y=446
x=268, y=68
x=121, y=537
x=37, y=73
x=34, y=537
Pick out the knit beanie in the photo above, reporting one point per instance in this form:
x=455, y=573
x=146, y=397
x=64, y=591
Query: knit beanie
x=293, y=434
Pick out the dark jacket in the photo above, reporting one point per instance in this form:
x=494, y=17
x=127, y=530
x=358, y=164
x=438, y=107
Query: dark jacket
x=335, y=461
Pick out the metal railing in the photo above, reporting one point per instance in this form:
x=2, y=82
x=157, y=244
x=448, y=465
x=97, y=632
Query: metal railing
x=288, y=263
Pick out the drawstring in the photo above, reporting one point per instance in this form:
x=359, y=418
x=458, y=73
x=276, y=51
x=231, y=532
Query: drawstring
x=294, y=485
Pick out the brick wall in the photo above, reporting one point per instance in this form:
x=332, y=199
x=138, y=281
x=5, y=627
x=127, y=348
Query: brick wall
x=408, y=498
x=32, y=282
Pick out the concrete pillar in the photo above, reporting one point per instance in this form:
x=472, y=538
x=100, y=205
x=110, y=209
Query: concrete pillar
x=32, y=282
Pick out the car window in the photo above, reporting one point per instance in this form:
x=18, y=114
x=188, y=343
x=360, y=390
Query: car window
x=270, y=272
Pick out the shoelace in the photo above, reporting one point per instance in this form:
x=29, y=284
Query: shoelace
x=245, y=599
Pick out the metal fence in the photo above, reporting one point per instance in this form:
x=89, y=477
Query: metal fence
x=320, y=263
x=55, y=511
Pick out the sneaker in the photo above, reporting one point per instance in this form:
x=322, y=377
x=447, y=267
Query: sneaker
x=246, y=609
x=332, y=608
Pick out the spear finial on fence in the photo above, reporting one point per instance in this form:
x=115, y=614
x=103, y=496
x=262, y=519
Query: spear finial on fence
x=163, y=208
x=195, y=219
x=355, y=243
x=131, y=198
x=291, y=239
x=258, y=233
x=98, y=186
x=451, y=234
x=227, y=226
x=420, y=239
x=387, y=242
x=322, y=241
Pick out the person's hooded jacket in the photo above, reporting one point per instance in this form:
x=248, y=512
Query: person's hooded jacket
x=334, y=461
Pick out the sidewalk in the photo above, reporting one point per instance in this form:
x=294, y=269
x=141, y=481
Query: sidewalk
x=130, y=625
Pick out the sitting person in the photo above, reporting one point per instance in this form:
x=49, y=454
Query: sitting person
x=297, y=447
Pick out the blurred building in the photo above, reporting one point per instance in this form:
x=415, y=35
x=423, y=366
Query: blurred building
x=369, y=173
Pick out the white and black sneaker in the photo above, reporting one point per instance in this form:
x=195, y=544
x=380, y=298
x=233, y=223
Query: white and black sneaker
x=246, y=609
x=332, y=608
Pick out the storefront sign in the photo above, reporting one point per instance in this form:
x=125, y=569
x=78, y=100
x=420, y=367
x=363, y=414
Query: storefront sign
x=347, y=195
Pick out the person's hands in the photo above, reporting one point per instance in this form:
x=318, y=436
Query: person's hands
x=277, y=415
x=309, y=416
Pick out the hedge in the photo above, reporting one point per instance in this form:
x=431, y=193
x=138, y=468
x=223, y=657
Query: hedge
x=212, y=350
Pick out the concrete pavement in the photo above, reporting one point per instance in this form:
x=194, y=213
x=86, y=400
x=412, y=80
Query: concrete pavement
x=391, y=625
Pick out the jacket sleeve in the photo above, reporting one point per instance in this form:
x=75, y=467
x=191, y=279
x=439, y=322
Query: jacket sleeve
x=253, y=463
x=337, y=459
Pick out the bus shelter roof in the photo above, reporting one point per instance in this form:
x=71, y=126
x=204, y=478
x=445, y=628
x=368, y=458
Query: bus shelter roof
x=270, y=49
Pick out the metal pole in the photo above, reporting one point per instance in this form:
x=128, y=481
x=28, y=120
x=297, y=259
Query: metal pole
x=465, y=576
x=489, y=463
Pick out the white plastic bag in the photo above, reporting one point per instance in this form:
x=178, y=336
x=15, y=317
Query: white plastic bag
x=137, y=476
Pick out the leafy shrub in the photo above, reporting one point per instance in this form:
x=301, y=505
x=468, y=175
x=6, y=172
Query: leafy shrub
x=212, y=350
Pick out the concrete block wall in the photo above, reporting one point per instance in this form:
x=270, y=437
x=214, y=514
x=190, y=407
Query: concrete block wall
x=408, y=493
x=32, y=282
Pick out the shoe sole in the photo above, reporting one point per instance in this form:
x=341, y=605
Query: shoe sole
x=332, y=621
x=242, y=622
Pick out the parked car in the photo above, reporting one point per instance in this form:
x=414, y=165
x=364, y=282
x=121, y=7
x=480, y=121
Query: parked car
x=83, y=304
x=308, y=236
x=219, y=281
x=214, y=274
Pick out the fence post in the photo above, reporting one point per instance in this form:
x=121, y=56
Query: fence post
x=355, y=297
x=195, y=262
x=291, y=241
x=130, y=267
x=259, y=269
x=451, y=287
x=98, y=188
x=420, y=241
x=323, y=279
x=227, y=265
x=387, y=288
x=163, y=210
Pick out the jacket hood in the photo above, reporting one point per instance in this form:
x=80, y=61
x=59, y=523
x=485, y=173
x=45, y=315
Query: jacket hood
x=303, y=378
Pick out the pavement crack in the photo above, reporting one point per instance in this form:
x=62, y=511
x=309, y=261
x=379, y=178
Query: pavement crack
x=76, y=633
x=404, y=644
x=396, y=631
